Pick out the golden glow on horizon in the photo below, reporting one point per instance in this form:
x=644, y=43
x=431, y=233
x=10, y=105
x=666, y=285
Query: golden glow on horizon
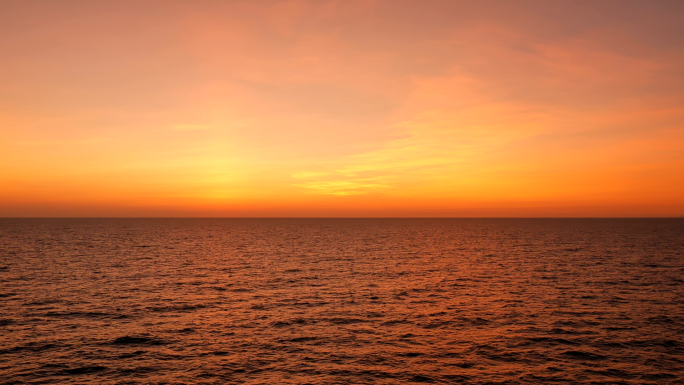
x=341, y=108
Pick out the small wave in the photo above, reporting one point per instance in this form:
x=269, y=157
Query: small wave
x=662, y=319
x=658, y=376
x=345, y=320
x=280, y=324
x=78, y=314
x=549, y=341
x=396, y=322
x=46, y=301
x=294, y=321
x=301, y=339
x=580, y=355
x=666, y=343
x=138, y=370
x=84, y=370
x=137, y=340
x=616, y=373
x=217, y=288
x=176, y=308
x=132, y=354
x=465, y=365
x=477, y=321
x=31, y=347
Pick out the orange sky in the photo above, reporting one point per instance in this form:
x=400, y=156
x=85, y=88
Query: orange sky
x=342, y=108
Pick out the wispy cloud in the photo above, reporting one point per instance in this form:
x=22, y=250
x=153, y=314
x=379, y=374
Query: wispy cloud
x=343, y=183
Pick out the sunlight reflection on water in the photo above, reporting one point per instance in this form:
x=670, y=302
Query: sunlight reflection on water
x=341, y=300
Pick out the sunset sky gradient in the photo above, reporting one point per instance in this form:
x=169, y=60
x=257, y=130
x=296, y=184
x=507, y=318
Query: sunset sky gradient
x=342, y=108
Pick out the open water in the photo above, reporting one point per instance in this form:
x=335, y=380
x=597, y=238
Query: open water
x=341, y=301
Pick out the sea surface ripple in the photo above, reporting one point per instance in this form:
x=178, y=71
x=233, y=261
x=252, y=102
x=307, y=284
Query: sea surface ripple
x=341, y=301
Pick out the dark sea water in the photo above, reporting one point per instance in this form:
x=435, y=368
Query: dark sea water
x=341, y=301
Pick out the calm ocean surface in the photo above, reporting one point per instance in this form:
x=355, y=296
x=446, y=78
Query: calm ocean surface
x=341, y=301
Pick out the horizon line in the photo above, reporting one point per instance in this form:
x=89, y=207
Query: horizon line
x=304, y=217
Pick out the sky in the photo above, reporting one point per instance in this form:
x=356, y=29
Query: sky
x=350, y=108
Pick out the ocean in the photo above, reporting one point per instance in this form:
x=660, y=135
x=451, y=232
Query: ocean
x=341, y=301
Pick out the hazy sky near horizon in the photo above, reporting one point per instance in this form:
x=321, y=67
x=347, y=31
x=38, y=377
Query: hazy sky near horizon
x=342, y=108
